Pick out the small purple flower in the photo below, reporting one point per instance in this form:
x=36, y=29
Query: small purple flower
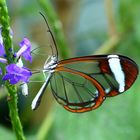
x=0, y=71
x=2, y=51
x=16, y=74
x=3, y=60
x=25, y=50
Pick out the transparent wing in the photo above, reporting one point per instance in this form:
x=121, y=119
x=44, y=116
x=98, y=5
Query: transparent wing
x=76, y=91
x=41, y=52
x=34, y=84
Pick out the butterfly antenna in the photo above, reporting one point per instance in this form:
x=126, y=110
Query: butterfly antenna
x=49, y=30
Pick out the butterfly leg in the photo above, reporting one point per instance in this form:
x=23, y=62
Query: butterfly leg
x=37, y=99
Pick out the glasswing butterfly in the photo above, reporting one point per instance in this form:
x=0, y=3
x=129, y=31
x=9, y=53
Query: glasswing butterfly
x=81, y=84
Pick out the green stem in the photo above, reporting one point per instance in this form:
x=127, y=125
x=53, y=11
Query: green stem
x=45, y=127
x=57, y=27
x=109, y=46
x=114, y=39
x=12, y=90
x=12, y=103
x=109, y=9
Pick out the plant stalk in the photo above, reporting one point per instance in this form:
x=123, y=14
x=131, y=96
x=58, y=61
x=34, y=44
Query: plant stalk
x=12, y=90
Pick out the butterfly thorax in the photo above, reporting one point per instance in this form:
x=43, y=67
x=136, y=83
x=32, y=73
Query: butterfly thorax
x=50, y=64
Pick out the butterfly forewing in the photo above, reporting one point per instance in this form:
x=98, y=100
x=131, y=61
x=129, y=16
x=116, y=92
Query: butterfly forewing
x=115, y=73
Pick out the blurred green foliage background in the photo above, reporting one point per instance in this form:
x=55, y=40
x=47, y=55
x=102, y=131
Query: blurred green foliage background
x=83, y=27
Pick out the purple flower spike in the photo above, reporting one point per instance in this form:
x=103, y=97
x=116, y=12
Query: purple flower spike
x=16, y=74
x=25, y=50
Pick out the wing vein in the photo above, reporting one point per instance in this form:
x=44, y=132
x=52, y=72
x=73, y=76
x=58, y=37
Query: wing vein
x=64, y=87
x=78, y=95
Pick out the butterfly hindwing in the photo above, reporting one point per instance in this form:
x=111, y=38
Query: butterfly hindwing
x=76, y=91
